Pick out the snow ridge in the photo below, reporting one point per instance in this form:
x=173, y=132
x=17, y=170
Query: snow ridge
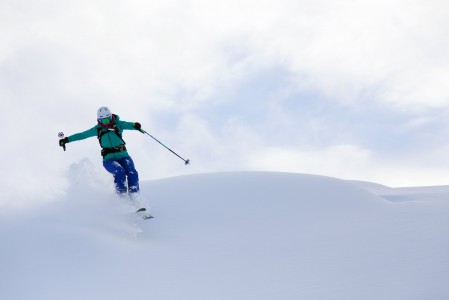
x=249, y=235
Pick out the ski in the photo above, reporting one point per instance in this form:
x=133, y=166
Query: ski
x=142, y=212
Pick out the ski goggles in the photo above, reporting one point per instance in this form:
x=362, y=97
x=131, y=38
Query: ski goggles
x=105, y=121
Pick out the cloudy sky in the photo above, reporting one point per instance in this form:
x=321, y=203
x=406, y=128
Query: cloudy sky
x=351, y=89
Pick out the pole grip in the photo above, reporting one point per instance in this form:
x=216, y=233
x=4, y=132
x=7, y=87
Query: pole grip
x=61, y=136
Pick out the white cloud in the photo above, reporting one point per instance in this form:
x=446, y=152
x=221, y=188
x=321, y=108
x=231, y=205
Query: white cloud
x=341, y=48
x=348, y=47
x=353, y=163
x=343, y=160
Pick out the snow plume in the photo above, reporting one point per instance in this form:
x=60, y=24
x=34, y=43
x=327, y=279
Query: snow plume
x=88, y=205
x=86, y=176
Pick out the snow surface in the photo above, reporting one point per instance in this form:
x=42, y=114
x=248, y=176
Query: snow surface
x=248, y=235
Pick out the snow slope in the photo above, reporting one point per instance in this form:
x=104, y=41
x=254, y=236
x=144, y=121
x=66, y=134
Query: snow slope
x=231, y=236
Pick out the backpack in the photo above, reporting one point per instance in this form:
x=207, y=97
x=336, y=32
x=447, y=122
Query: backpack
x=102, y=131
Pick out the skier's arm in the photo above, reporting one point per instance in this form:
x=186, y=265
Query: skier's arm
x=130, y=125
x=83, y=135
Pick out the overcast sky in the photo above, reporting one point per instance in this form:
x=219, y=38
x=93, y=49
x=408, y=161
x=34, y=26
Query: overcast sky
x=350, y=89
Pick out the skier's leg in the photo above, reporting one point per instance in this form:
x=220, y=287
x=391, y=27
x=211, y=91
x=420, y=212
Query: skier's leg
x=119, y=173
x=133, y=177
x=133, y=187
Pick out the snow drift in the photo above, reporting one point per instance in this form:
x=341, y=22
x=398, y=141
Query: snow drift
x=231, y=236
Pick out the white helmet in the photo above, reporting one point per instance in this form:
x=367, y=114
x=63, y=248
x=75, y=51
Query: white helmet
x=103, y=112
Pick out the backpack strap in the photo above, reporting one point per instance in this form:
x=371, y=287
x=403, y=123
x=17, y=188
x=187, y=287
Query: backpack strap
x=103, y=130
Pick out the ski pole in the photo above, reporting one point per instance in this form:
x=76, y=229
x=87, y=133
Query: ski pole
x=186, y=162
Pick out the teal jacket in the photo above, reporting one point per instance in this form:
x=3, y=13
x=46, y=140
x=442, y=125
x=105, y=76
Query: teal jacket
x=109, y=139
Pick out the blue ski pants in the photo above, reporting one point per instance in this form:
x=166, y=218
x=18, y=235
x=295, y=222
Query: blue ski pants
x=125, y=175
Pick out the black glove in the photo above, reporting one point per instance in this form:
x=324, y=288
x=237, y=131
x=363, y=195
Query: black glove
x=63, y=141
x=137, y=126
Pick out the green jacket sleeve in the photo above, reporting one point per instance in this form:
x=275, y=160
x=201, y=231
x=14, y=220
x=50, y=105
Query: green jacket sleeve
x=83, y=135
x=126, y=125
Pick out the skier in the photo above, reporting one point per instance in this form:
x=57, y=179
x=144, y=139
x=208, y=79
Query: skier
x=116, y=159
